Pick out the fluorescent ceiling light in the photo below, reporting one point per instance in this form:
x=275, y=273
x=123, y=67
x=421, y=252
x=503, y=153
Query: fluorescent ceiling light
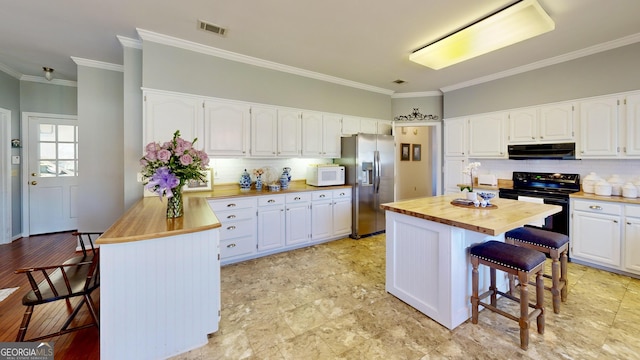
x=518, y=22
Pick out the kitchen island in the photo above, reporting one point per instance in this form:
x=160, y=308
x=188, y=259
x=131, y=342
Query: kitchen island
x=160, y=281
x=427, y=256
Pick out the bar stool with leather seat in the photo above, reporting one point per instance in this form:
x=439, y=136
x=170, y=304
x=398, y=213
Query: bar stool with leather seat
x=548, y=242
x=517, y=261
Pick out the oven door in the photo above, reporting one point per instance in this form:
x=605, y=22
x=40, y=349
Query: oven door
x=558, y=222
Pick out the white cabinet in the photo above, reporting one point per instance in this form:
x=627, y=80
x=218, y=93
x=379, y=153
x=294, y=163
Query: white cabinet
x=271, y=222
x=599, y=127
x=275, y=132
x=487, y=134
x=226, y=128
x=540, y=124
x=342, y=219
x=596, y=232
x=321, y=135
x=453, y=168
x=321, y=215
x=350, y=125
x=632, y=139
x=164, y=113
x=385, y=127
x=368, y=126
x=631, y=248
x=455, y=137
x=354, y=125
x=238, y=227
x=298, y=218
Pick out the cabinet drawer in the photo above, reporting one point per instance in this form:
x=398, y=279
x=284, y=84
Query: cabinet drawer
x=270, y=200
x=235, y=215
x=298, y=197
x=598, y=207
x=235, y=229
x=229, y=204
x=238, y=246
x=321, y=195
x=341, y=194
x=631, y=210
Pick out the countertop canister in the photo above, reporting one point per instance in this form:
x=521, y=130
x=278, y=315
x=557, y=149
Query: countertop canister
x=629, y=191
x=589, y=183
x=616, y=184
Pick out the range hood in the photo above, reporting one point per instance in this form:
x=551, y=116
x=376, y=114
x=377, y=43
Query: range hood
x=559, y=151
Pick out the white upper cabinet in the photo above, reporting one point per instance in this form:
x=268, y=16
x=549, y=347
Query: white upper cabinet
x=549, y=123
x=455, y=137
x=289, y=133
x=321, y=135
x=350, y=125
x=226, y=128
x=384, y=127
x=166, y=113
x=368, y=126
x=353, y=125
x=264, y=131
x=487, y=135
x=599, y=127
x=632, y=105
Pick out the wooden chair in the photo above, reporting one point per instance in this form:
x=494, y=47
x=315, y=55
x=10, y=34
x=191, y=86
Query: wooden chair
x=76, y=277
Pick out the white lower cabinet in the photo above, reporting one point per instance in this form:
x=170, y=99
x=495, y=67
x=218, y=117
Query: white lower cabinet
x=342, y=219
x=632, y=238
x=298, y=218
x=596, y=232
x=321, y=215
x=271, y=229
x=238, y=227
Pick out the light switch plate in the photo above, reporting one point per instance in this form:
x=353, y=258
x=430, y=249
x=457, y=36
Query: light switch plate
x=15, y=159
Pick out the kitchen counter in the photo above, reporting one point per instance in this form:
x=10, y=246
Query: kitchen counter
x=508, y=215
x=233, y=190
x=619, y=199
x=427, y=257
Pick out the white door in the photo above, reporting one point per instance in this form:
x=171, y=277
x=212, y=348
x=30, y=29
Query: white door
x=52, y=174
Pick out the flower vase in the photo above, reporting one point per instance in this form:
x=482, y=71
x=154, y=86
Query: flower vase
x=174, y=204
x=259, y=183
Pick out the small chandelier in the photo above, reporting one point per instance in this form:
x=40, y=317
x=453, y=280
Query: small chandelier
x=416, y=116
x=48, y=73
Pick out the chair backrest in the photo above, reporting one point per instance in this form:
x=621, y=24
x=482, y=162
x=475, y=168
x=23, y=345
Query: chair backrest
x=87, y=239
x=93, y=276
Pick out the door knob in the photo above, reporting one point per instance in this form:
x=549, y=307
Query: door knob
x=34, y=174
x=34, y=183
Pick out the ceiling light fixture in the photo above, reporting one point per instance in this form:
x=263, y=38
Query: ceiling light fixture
x=48, y=73
x=517, y=22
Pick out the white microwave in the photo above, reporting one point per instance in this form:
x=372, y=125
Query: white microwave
x=318, y=175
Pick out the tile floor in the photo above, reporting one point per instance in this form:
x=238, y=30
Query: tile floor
x=329, y=302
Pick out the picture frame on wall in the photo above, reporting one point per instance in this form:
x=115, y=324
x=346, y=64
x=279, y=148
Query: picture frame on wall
x=416, y=152
x=405, y=152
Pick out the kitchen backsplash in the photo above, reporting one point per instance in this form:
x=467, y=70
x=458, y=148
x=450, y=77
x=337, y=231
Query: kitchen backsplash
x=229, y=170
x=629, y=170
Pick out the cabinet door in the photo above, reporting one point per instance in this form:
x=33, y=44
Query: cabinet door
x=453, y=175
x=596, y=238
x=298, y=223
x=226, y=128
x=557, y=122
x=368, y=126
x=632, y=245
x=350, y=125
x=331, y=128
x=632, y=146
x=164, y=114
x=312, y=134
x=523, y=126
x=264, y=131
x=289, y=133
x=342, y=217
x=599, y=127
x=487, y=136
x=385, y=127
x=455, y=137
x=321, y=219
x=271, y=230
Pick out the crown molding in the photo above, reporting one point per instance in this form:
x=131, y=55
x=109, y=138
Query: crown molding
x=43, y=80
x=627, y=40
x=9, y=71
x=146, y=35
x=416, y=94
x=129, y=42
x=97, y=64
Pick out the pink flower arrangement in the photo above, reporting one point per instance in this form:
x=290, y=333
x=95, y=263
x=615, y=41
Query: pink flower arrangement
x=170, y=165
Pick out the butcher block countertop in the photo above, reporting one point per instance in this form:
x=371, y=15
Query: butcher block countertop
x=147, y=219
x=508, y=215
x=233, y=190
x=618, y=199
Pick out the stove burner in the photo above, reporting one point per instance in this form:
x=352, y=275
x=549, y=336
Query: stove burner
x=551, y=182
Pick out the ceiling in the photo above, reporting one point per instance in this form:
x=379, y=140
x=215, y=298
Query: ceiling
x=368, y=44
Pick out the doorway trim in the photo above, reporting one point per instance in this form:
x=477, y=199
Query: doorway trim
x=25, y=163
x=5, y=181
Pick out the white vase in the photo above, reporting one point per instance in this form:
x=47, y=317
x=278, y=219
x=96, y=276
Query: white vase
x=472, y=195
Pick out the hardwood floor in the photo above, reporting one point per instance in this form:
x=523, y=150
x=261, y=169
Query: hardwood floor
x=44, y=250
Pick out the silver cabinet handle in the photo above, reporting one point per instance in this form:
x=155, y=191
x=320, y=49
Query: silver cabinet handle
x=231, y=205
x=231, y=245
x=615, y=221
x=231, y=227
x=595, y=207
x=322, y=195
x=231, y=217
x=296, y=198
x=271, y=201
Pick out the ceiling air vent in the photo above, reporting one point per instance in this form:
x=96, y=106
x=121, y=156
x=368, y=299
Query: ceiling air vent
x=399, y=81
x=219, y=30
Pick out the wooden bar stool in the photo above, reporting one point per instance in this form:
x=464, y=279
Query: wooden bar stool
x=517, y=261
x=548, y=242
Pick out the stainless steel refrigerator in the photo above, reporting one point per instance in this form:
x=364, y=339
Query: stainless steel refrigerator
x=369, y=166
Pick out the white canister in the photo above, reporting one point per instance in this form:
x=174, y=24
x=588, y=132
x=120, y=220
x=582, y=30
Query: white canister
x=589, y=183
x=616, y=184
x=629, y=191
x=603, y=188
x=637, y=184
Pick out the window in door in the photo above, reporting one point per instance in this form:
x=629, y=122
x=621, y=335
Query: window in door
x=58, y=150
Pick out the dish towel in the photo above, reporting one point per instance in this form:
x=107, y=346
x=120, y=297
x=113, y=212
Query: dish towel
x=530, y=199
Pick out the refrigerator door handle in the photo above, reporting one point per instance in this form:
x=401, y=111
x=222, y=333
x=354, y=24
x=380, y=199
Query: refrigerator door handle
x=376, y=167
